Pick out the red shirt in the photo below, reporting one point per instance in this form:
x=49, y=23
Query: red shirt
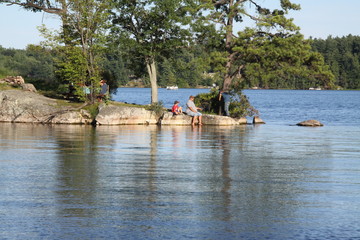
x=175, y=108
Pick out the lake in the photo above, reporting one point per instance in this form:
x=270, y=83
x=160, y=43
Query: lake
x=272, y=181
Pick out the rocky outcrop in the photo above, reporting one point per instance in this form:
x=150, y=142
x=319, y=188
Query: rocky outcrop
x=29, y=107
x=310, y=123
x=28, y=87
x=122, y=115
x=13, y=80
x=169, y=119
x=18, y=81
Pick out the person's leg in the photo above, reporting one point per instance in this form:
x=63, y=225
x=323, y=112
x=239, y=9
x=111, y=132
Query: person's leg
x=227, y=104
x=200, y=120
x=193, y=120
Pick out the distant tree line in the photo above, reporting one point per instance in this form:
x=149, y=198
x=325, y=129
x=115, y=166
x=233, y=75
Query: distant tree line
x=186, y=67
x=342, y=54
x=39, y=65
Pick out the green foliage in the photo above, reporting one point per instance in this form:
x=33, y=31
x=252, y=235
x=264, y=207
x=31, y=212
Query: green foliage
x=157, y=107
x=342, y=54
x=83, y=39
x=241, y=107
x=183, y=68
x=35, y=64
x=4, y=86
x=150, y=29
x=280, y=62
x=239, y=104
x=93, y=109
x=270, y=55
x=115, y=67
x=209, y=102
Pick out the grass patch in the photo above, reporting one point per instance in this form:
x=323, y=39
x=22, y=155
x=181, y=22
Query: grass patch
x=5, y=86
x=121, y=104
x=157, y=108
x=66, y=103
x=93, y=109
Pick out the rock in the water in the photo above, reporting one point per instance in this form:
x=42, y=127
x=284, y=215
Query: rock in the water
x=310, y=123
x=169, y=119
x=124, y=115
x=258, y=120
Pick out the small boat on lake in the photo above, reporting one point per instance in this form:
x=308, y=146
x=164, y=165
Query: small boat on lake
x=318, y=88
x=172, y=88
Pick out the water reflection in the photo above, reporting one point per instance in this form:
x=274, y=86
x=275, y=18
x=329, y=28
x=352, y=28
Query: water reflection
x=176, y=182
x=77, y=175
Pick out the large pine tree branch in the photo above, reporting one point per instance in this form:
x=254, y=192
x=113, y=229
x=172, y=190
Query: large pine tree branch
x=35, y=6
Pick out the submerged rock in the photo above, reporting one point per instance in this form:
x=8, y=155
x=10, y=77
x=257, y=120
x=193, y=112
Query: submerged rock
x=310, y=123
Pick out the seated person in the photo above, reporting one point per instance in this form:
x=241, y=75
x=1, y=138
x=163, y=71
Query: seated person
x=176, y=109
x=192, y=110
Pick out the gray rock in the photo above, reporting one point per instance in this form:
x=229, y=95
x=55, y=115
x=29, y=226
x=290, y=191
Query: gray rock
x=169, y=119
x=28, y=87
x=258, y=120
x=30, y=107
x=123, y=115
x=310, y=123
x=71, y=117
x=13, y=80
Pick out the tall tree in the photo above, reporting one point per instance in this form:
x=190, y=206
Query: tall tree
x=81, y=42
x=83, y=35
x=273, y=30
x=150, y=28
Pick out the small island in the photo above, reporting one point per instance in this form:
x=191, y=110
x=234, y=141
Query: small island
x=24, y=105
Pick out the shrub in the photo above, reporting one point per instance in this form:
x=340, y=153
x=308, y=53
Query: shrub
x=157, y=108
x=241, y=107
x=239, y=104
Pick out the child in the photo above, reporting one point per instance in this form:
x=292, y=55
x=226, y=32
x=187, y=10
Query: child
x=176, y=109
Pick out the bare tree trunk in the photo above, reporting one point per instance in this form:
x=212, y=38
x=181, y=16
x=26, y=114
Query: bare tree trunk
x=151, y=67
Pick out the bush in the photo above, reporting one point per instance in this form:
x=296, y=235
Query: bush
x=157, y=108
x=239, y=105
x=209, y=102
x=242, y=107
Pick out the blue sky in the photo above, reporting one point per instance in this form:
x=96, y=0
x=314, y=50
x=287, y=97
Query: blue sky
x=317, y=18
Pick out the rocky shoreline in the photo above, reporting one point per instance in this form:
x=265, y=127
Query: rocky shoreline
x=20, y=106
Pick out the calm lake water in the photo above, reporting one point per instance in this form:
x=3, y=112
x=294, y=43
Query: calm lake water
x=272, y=181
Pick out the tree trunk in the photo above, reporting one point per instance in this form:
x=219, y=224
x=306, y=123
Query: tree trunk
x=150, y=64
x=228, y=77
x=228, y=45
